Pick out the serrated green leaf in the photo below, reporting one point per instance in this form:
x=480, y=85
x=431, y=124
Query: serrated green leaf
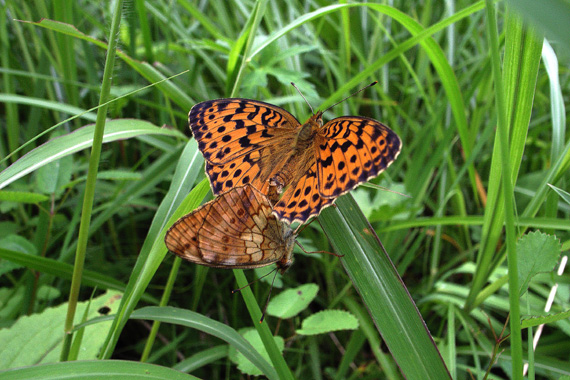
x=243, y=364
x=37, y=339
x=291, y=302
x=327, y=321
x=536, y=252
x=22, y=197
x=543, y=319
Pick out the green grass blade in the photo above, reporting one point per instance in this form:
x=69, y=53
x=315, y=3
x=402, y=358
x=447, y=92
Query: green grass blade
x=89, y=195
x=77, y=141
x=382, y=290
x=236, y=66
x=262, y=328
x=507, y=186
x=522, y=58
x=95, y=370
x=550, y=16
x=154, y=250
x=145, y=69
x=61, y=270
x=197, y=321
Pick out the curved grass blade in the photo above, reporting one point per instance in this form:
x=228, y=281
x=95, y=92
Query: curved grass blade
x=154, y=250
x=95, y=370
x=197, y=321
x=78, y=140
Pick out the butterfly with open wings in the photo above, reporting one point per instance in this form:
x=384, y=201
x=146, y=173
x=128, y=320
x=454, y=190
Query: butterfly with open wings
x=301, y=167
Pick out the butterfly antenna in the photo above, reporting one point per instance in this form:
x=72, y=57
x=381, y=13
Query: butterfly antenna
x=303, y=96
x=268, y=297
x=375, y=186
x=357, y=92
x=257, y=279
x=302, y=227
x=327, y=252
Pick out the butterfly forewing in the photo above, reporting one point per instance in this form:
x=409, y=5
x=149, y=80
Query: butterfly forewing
x=241, y=139
x=351, y=150
x=235, y=230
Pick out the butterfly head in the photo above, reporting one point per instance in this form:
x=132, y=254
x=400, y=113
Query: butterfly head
x=318, y=118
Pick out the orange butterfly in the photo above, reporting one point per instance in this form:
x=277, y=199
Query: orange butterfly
x=235, y=230
x=248, y=141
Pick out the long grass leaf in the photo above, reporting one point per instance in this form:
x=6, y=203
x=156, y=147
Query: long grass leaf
x=382, y=290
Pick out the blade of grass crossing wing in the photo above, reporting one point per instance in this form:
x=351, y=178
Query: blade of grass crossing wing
x=154, y=250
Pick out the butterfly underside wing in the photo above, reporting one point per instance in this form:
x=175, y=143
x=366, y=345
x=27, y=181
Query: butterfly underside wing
x=235, y=230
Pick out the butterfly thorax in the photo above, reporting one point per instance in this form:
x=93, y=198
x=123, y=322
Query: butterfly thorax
x=301, y=154
x=307, y=131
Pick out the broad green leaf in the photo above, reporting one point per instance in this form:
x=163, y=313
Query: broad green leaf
x=536, y=252
x=291, y=302
x=37, y=339
x=252, y=336
x=328, y=320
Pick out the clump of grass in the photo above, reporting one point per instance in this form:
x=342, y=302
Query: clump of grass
x=438, y=91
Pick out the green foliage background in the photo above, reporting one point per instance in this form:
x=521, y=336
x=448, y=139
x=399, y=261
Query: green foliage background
x=438, y=65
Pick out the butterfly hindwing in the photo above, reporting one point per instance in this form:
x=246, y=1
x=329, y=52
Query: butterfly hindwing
x=235, y=230
x=301, y=201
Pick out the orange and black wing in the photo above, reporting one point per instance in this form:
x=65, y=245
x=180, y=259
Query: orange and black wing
x=301, y=200
x=243, y=141
x=350, y=150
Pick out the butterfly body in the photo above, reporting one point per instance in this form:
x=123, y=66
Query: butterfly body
x=237, y=230
x=301, y=167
